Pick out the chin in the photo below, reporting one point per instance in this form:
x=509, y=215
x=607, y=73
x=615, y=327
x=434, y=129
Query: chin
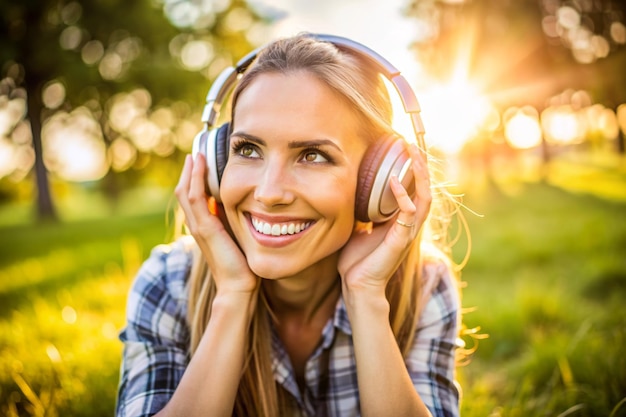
x=273, y=269
x=270, y=273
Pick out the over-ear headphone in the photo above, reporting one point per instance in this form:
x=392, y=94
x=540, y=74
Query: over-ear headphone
x=386, y=157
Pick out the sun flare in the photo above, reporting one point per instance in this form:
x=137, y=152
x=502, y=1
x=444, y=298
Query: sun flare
x=455, y=112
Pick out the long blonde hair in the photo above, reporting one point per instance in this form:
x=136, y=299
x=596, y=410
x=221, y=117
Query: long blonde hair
x=361, y=86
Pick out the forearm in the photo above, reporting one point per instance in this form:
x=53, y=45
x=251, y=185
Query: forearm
x=209, y=384
x=385, y=388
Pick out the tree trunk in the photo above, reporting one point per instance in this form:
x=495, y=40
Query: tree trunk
x=45, y=207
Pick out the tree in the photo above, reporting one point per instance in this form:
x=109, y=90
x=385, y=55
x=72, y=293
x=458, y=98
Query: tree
x=526, y=50
x=97, y=49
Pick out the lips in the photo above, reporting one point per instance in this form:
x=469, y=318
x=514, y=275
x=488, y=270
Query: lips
x=279, y=229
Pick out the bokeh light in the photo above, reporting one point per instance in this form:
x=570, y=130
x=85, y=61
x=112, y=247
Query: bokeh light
x=74, y=147
x=92, y=52
x=601, y=122
x=69, y=315
x=53, y=94
x=121, y=154
x=197, y=15
x=124, y=108
x=522, y=129
x=196, y=54
x=562, y=125
x=238, y=20
x=11, y=112
x=7, y=157
x=71, y=38
x=578, y=25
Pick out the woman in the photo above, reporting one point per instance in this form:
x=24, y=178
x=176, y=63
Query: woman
x=282, y=303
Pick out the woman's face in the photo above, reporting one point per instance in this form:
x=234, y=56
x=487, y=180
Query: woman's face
x=288, y=188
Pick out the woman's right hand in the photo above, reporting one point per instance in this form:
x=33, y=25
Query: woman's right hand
x=224, y=257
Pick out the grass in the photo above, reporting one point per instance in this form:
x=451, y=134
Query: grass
x=62, y=302
x=546, y=278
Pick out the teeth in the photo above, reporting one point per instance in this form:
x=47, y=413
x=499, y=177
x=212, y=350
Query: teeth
x=278, y=229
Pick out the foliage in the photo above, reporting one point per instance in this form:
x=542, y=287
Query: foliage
x=93, y=51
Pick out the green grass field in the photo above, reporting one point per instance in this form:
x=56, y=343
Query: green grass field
x=546, y=281
x=547, y=278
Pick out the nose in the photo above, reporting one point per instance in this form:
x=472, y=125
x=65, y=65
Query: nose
x=274, y=186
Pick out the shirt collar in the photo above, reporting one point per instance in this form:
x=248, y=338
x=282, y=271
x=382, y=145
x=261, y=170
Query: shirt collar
x=340, y=320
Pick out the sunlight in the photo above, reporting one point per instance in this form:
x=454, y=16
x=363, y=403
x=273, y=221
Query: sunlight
x=454, y=113
x=456, y=110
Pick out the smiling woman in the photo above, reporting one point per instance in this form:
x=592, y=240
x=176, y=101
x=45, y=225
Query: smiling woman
x=311, y=283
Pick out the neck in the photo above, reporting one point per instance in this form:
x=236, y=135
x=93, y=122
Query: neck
x=304, y=296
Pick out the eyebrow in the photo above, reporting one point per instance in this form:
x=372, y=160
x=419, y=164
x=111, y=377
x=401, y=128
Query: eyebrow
x=249, y=137
x=312, y=143
x=292, y=144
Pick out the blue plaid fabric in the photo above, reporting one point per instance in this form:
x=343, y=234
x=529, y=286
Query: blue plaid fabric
x=156, y=340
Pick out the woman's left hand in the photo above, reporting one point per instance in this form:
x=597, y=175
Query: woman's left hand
x=370, y=258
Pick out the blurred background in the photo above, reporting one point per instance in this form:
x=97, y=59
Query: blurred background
x=524, y=107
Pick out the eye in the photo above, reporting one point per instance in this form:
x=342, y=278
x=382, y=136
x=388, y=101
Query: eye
x=245, y=149
x=315, y=156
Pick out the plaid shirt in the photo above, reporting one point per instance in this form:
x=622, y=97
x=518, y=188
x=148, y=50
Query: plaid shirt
x=157, y=335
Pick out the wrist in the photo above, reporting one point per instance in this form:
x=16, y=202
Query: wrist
x=365, y=301
x=226, y=301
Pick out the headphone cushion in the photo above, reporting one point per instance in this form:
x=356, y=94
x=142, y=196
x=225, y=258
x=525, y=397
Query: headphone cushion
x=368, y=170
x=222, y=145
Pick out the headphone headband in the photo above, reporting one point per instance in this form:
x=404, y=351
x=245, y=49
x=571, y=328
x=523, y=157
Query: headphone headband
x=227, y=79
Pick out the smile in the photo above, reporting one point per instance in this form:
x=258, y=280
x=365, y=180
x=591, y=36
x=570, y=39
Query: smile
x=278, y=229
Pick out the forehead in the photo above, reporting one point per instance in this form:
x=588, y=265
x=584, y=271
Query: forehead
x=297, y=91
x=296, y=105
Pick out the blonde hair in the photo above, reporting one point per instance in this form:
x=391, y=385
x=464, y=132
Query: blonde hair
x=361, y=86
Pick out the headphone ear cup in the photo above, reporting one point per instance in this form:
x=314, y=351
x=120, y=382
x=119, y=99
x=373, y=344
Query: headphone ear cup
x=222, y=148
x=385, y=158
x=367, y=173
x=214, y=145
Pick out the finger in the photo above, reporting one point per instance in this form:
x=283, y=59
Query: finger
x=406, y=217
x=197, y=195
x=182, y=188
x=183, y=182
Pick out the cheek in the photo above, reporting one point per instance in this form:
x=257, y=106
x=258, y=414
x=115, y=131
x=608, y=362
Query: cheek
x=337, y=198
x=233, y=188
